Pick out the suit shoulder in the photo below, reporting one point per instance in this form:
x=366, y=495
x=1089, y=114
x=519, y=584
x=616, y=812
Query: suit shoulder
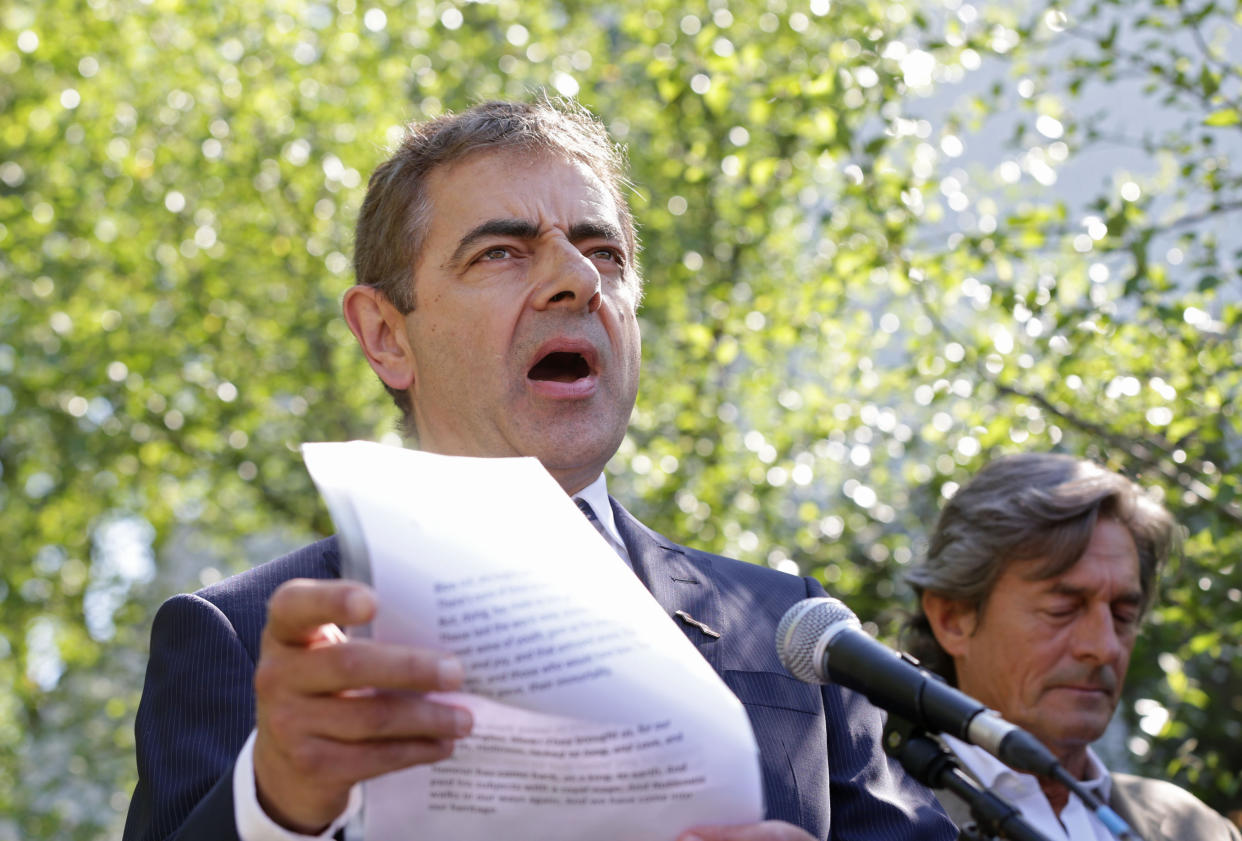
x=1151, y=790
x=731, y=567
x=766, y=593
x=1180, y=813
x=756, y=576
x=247, y=592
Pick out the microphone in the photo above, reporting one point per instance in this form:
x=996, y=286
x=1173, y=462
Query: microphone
x=821, y=641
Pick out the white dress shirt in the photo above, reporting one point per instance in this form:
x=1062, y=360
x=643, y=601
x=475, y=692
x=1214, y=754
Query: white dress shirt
x=596, y=496
x=1075, y=823
x=253, y=824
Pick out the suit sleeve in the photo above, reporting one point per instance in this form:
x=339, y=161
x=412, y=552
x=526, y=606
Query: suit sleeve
x=872, y=797
x=196, y=712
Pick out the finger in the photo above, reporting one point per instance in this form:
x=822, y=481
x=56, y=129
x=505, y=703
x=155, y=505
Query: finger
x=325, y=763
x=765, y=831
x=354, y=664
x=301, y=605
x=380, y=717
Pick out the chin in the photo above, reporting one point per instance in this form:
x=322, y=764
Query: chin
x=564, y=452
x=1083, y=731
x=572, y=444
x=573, y=459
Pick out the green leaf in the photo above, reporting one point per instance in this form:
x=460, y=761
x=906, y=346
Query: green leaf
x=1223, y=117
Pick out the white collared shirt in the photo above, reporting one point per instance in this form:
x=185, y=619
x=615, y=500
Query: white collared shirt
x=1076, y=821
x=253, y=824
x=596, y=496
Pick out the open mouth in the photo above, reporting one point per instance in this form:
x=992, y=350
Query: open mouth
x=560, y=367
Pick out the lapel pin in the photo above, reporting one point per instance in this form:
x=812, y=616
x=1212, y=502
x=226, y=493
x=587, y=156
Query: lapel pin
x=690, y=620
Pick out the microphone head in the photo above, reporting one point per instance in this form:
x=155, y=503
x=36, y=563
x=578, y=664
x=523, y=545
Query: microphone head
x=803, y=632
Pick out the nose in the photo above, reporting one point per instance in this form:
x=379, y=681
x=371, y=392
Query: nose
x=565, y=277
x=1096, y=638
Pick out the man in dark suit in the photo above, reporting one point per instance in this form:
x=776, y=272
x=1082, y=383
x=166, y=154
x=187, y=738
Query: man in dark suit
x=1035, y=583
x=496, y=300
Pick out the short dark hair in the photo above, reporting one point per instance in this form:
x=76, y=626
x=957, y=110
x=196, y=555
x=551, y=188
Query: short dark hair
x=1025, y=507
x=394, y=219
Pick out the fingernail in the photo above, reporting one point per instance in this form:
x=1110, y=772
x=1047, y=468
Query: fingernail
x=358, y=606
x=463, y=722
x=451, y=673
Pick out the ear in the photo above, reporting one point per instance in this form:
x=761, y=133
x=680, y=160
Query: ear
x=380, y=328
x=952, y=621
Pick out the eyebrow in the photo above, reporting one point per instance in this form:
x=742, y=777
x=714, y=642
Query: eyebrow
x=527, y=230
x=1062, y=589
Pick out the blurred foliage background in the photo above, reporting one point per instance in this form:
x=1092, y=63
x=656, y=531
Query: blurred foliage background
x=884, y=242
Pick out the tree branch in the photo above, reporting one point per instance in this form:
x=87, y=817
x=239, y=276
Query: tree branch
x=1151, y=452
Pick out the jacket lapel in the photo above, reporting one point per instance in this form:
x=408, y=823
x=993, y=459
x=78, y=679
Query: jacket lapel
x=685, y=588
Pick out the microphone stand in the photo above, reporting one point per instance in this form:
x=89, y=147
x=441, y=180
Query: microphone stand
x=933, y=766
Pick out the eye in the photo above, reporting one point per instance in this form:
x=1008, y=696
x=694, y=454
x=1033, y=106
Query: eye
x=1060, y=610
x=496, y=252
x=607, y=253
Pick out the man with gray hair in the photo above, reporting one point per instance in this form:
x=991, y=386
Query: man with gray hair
x=1036, y=580
x=496, y=299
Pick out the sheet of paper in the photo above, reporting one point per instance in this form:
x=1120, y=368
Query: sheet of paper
x=594, y=715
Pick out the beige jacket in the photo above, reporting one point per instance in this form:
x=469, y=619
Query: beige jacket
x=1155, y=810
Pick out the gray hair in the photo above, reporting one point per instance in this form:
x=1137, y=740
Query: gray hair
x=395, y=215
x=1032, y=506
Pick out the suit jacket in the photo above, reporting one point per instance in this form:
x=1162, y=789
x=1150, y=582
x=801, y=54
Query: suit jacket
x=1160, y=811
x=823, y=767
x=1156, y=810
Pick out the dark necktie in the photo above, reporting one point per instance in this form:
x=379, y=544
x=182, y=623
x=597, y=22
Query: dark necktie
x=589, y=513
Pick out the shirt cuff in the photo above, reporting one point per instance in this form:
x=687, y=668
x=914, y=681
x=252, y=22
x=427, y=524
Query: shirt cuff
x=253, y=824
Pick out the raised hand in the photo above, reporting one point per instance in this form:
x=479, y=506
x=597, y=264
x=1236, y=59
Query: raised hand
x=333, y=711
